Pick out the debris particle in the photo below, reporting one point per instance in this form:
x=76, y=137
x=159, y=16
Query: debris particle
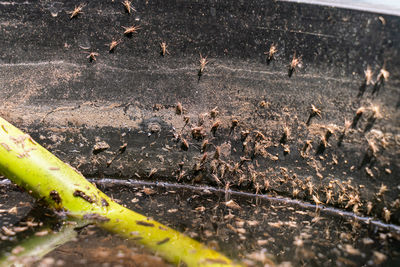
x=232, y=204
x=7, y=231
x=198, y=133
x=149, y=191
x=104, y=203
x=81, y=194
x=100, y=147
x=172, y=210
x=42, y=233
x=6, y=147
x=179, y=109
x=165, y=240
x=55, y=196
x=143, y=223
x=379, y=257
x=95, y=217
x=17, y=250
x=214, y=112
x=13, y=210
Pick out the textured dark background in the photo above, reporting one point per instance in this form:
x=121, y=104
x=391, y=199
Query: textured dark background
x=50, y=89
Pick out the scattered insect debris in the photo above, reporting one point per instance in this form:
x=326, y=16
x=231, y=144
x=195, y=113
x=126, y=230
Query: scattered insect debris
x=270, y=146
x=252, y=223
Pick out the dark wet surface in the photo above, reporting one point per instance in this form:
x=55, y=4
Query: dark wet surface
x=252, y=229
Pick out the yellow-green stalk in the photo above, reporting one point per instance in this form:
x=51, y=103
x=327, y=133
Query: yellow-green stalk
x=46, y=177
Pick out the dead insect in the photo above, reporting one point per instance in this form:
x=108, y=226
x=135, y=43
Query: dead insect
x=357, y=117
x=227, y=193
x=112, y=45
x=204, y=146
x=217, y=152
x=376, y=114
x=347, y=125
x=328, y=196
x=164, y=50
x=234, y=124
x=200, y=119
x=198, y=133
x=214, y=127
x=341, y=198
x=285, y=135
x=181, y=175
x=295, y=192
x=203, y=62
x=152, y=172
x=130, y=30
x=382, y=190
x=310, y=187
x=186, y=119
x=243, y=135
x=76, y=11
x=313, y=112
x=179, y=109
x=383, y=75
x=368, y=76
x=296, y=61
x=271, y=52
x=214, y=112
x=203, y=158
x=324, y=141
x=259, y=135
x=316, y=200
x=386, y=214
x=128, y=6
x=369, y=207
x=184, y=144
x=263, y=104
x=92, y=56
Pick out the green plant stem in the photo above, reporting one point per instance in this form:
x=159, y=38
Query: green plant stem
x=46, y=177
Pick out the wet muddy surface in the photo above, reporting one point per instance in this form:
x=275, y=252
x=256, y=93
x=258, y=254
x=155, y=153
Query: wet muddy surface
x=254, y=229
